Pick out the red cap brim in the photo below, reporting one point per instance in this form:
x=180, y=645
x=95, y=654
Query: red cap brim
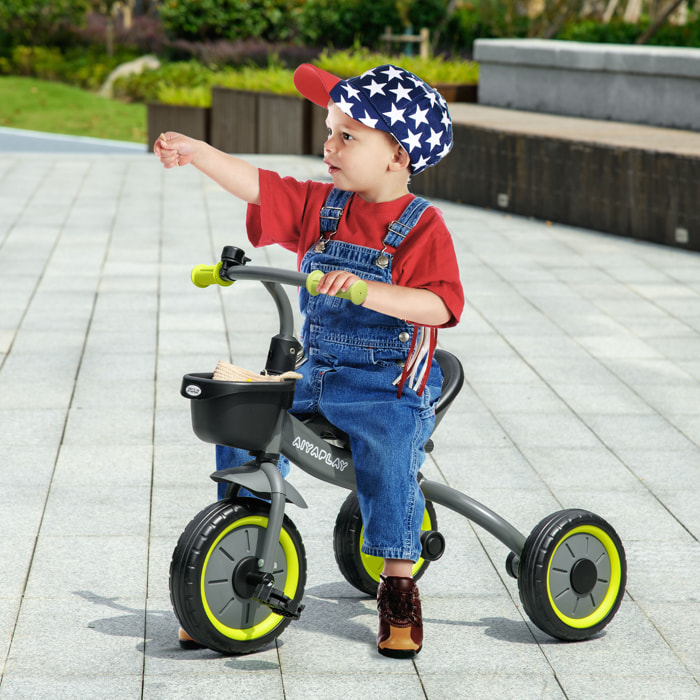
x=314, y=83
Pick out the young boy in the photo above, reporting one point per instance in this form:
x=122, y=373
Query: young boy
x=369, y=369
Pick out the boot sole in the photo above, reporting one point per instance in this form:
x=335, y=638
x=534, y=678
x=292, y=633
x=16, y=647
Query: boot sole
x=399, y=653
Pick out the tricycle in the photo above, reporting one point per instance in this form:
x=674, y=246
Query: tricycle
x=238, y=571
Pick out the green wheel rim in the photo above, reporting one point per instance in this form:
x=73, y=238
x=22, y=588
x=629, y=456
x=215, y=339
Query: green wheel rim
x=581, y=610
x=221, y=606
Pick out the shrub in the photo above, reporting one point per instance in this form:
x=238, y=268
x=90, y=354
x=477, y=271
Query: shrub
x=190, y=97
x=347, y=64
x=199, y=20
x=619, y=32
x=148, y=85
x=38, y=22
x=273, y=79
x=614, y=32
x=344, y=23
x=679, y=35
x=82, y=67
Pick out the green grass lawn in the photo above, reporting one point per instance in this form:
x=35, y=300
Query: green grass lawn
x=26, y=103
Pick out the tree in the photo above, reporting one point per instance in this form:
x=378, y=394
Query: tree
x=110, y=9
x=554, y=15
x=659, y=21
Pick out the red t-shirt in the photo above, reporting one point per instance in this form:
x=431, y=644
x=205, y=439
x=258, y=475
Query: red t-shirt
x=288, y=215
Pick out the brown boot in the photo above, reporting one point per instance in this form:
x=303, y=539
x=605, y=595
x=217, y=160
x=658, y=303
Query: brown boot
x=400, y=619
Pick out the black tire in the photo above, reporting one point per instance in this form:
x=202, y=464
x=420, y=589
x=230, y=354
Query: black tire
x=220, y=542
x=361, y=570
x=572, y=574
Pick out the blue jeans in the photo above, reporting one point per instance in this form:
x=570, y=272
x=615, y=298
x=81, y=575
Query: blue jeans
x=387, y=436
x=354, y=355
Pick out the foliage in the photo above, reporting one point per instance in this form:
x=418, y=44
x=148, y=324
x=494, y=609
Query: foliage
x=145, y=35
x=482, y=19
x=675, y=35
x=614, y=32
x=80, y=66
x=186, y=82
x=191, y=97
x=344, y=23
x=149, y=85
x=273, y=79
x=229, y=19
x=618, y=32
x=434, y=70
x=37, y=22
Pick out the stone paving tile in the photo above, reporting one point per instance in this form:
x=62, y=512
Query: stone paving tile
x=582, y=380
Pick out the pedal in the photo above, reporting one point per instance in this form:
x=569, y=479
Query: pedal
x=277, y=601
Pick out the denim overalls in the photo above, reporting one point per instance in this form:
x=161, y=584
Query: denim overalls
x=354, y=357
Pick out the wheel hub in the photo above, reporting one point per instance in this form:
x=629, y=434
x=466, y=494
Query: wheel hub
x=579, y=575
x=584, y=575
x=242, y=584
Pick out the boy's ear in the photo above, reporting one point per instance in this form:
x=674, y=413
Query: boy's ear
x=400, y=159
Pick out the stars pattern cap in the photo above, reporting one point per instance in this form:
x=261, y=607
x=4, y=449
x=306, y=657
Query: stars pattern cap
x=390, y=99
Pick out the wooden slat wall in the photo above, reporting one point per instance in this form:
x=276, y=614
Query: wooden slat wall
x=193, y=121
x=234, y=120
x=629, y=192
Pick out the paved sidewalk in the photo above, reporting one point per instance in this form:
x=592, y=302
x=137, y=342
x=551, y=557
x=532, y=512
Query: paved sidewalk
x=582, y=354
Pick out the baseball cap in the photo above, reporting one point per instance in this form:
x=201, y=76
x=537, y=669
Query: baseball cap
x=390, y=99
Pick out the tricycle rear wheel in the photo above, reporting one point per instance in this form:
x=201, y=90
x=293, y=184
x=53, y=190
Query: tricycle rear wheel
x=572, y=574
x=362, y=570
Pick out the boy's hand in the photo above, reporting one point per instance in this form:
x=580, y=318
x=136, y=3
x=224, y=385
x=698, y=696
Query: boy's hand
x=336, y=281
x=174, y=149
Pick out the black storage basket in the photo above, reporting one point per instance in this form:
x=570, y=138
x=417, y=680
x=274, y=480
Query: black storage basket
x=236, y=414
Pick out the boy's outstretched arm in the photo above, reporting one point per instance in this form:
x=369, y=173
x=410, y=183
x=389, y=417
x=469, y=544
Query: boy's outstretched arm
x=420, y=306
x=237, y=176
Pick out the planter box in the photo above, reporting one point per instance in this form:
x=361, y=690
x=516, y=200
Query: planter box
x=458, y=92
x=319, y=130
x=259, y=122
x=284, y=124
x=193, y=121
x=234, y=120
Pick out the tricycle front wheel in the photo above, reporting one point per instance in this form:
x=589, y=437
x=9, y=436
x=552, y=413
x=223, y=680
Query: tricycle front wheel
x=572, y=574
x=209, y=572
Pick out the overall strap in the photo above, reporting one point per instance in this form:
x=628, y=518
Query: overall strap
x=420, y=355
x=332, y=210
x=398, y=230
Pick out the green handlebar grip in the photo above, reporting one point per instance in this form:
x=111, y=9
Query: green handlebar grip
x=204, y=275
x=356, y=294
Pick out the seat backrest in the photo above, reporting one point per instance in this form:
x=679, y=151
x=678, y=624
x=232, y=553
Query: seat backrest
x=452, y=381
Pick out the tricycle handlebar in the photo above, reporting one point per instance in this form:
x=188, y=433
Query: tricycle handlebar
x=205, y=275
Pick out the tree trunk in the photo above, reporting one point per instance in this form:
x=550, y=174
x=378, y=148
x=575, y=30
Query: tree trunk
x=659, y=21
x=610, y=10
x=109, y=35
x=632, y=11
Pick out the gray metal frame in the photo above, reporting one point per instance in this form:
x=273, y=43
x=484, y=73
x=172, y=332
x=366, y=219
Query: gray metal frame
x=321, y=459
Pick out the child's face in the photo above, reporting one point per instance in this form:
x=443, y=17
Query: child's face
x=359, y=158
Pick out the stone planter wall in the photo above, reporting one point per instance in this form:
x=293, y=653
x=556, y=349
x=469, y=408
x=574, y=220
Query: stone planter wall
x=654, y=85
